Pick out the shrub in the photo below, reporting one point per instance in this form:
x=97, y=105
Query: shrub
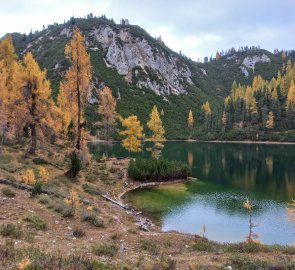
x=37, y=189
x=105, y=249
x=40, y=161
x=10, y=230
x=44, y=199
x=92, y=218
x=143, y=169
x=76, y=166
x=203, y=244
x=8, y=192
x=91, y=189
x=150, y=246
x=36, y=222
x=78, y=232
x=67, y=211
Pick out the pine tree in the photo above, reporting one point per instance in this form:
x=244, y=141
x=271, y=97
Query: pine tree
x=133, y=133
x=158, y=131
x=39, y=112
x=107, y=109
x=76, y=86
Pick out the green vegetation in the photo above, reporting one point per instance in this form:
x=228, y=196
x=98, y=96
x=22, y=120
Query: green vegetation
x=10, y=230
x=8, y=192
x=147, y=170
x=36, y=222
x=105, y=249
x=91, y=218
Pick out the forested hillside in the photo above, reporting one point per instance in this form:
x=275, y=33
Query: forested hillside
x=142, y=72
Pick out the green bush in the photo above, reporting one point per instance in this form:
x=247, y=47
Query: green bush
x=105, y=249
x=36, y=222
x=78, y=232
x=76, y=166
x=150, y=246
x=10, y=230
x=92, y=219
x=40, y=161
x=143, y=169
x=8, y=192
x=37, y=189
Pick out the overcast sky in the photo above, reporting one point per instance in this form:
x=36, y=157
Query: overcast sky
x=196, y=27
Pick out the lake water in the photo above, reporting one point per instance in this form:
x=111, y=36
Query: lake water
x=227, y=174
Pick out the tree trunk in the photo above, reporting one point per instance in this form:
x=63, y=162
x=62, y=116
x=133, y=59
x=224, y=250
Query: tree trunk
x=32, y=125
x=79, y=126
x=33, y=146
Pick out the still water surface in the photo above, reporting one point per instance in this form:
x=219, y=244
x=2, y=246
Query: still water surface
x=227, y=174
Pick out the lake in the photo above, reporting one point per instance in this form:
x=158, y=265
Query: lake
x=227, y=174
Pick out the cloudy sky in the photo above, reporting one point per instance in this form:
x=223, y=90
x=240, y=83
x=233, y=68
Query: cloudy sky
x=196, y=27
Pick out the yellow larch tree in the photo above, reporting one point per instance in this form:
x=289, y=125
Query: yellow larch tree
x=10, y=73
x=76, y=86
x=270, y=120
x=107, y=109
x=156, y=126
x=3, y=103
x=133, y=133
x=291, y=97
x=207, y=114
x=40, y=113
x=190, y=119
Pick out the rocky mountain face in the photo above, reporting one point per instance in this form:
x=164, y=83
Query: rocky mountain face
x=139, y=61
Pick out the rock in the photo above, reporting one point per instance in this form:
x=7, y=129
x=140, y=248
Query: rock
x=126, y=52
x=249, y=62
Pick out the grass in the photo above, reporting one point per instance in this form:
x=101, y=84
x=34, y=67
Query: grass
x=10, y=230
x=40, y=260
x=36, y=222
x=150, y=246
x=105, y=249
x=8, y=192
x=91, y=218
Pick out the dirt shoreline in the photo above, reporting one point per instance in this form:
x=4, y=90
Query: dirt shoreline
x=213, y=141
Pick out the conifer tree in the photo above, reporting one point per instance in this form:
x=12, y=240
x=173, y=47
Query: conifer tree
x=158, y=131
x=39, y=112
x=132, y=133
x=76, y=86
x=270, y=121
x=107, y=109
x=190, y=119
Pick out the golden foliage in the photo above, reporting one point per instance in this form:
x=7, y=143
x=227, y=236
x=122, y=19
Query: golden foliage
x=133, y=133
x=190, y=119
x=43, y=174
x=291, y=98
x=73, y=200
x=206, y=108
x=247, y=204
x=39, y=111
x=29, y=177
x=107, y=108
x=23, y=264
x=75, y=89
x=270, y=120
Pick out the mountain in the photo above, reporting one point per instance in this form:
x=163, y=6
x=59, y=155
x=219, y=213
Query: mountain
x=142, y=71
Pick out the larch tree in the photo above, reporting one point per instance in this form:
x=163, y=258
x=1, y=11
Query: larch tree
x=190, y=119
x=207, y=114
x=132, y=133
x=39, y=111
x=156, y=126
x=76, y=86
x=107, y=109
x=270, y=121
x=10, y=80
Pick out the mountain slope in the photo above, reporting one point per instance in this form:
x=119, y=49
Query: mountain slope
x=143, y=71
